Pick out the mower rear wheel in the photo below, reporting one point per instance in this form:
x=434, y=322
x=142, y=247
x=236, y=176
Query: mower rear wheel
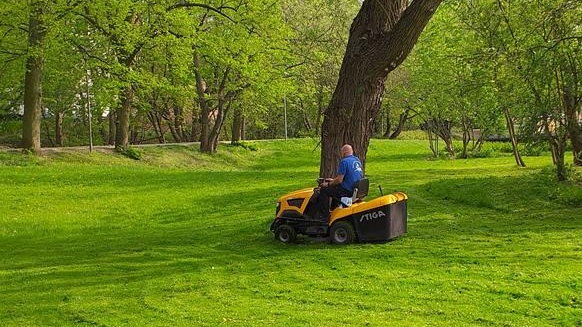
x=286, y=234
x=342, y=233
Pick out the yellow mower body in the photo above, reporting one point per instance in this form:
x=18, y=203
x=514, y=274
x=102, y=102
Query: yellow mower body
x=380, y=219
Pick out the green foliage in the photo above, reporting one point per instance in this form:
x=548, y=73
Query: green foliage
x=132, y=153
x=10, y=131
x=499, y=147
x=245, y=145
x=533, y=149
x=413, y=135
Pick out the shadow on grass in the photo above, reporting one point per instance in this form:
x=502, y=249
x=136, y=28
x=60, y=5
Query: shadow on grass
x=191, y=239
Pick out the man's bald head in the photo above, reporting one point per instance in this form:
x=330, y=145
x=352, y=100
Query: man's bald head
x=347, y=150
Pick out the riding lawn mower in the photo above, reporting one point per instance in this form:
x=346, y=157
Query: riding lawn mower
x=351, y=219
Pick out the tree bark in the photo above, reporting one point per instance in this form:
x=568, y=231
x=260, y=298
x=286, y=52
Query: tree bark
x=306, y=121
x=236, y=126
x=436, y=128
x=59, y=129
x=111, y=129
x=154, y=119
x=209, y=137
x=513, y=137
x=320, y=107
x=388, y=125
x=178, y=122
x=243, y=128
x=195, y=125
x=203, y=103
x=573, y=124
x=381, y=37
x=433, y=142
x=224, y=103
x=173, y=122
x=122, y=122
x=33, y=78
x=466, y=125
x=133, y=135
x=404, y=117
x=478, y=145
x=558, y=147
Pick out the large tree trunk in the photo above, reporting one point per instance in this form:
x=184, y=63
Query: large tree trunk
x=59, y=129
x=204, y=129
x=122, y=123
x=33, y=79
x=204, y=106
x=513, y=137
x=381, y=37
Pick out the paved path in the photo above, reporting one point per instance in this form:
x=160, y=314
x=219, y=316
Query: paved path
x=108, y=148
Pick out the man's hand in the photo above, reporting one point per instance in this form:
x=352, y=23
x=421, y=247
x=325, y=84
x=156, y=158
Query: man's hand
x=329, y=179
x=324, y=184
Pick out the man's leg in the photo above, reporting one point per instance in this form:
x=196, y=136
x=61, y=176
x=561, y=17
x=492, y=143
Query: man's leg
x=325, y=195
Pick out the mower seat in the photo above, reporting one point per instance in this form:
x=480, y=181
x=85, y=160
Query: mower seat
x=360, y=192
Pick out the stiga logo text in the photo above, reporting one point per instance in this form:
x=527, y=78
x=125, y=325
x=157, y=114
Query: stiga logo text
x=372, y=216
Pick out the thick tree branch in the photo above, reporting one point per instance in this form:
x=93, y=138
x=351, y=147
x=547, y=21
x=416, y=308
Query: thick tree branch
x=186, y=4
x=405, y=34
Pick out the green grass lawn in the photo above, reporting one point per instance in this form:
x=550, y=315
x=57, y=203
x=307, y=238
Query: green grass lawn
x=180, y=239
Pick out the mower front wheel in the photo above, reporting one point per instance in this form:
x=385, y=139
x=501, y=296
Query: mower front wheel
x=286, y=234
x=342, y=233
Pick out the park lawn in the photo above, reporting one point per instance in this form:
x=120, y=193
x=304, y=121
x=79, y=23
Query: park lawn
x=181, y=239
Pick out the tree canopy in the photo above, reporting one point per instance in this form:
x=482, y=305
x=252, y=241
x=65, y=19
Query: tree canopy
x=178, y=71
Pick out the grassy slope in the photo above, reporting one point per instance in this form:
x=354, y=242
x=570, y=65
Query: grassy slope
x=180, y=239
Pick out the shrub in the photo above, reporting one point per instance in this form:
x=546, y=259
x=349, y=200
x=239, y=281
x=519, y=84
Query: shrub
x=10, y=132
x=416, y=134
x=492, y=149
x=485, y=152
x=533, y=149
x=132, y=153
x=245, y=145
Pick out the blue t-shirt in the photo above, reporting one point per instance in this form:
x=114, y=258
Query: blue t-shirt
x=351, y=168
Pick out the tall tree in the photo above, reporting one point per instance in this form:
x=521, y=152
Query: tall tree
x=381, y=37
x=33, y=77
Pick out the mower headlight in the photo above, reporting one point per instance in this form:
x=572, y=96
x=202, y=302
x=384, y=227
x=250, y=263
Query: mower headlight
x=278, y=208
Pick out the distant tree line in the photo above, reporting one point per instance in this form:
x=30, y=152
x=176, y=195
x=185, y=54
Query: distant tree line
x=167, y=71
x=485, y=68
x=182, y=71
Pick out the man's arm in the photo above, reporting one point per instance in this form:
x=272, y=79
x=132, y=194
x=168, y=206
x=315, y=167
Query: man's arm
x=341, y=172
x=334, y=181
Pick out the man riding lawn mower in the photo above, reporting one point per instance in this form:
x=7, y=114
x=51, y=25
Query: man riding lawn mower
x=351, y=219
